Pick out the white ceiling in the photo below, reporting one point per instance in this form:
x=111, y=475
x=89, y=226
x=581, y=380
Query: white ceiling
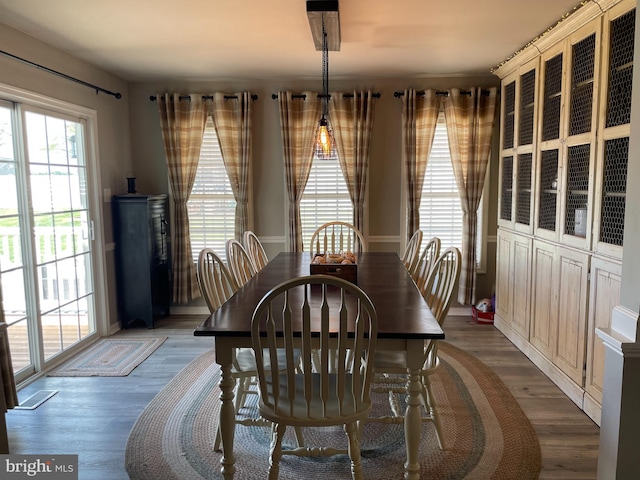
x=200, y=40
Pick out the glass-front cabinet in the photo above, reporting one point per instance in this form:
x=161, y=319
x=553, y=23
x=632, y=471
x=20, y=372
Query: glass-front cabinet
x=567, y=149
x=519, y=122
x=564, y=152
x=613, y=151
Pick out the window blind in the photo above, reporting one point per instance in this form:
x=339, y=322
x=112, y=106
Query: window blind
x=440, y=211
x=211, y=205
x=325, y=198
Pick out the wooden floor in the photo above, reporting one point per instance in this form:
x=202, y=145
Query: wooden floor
x=92, y=416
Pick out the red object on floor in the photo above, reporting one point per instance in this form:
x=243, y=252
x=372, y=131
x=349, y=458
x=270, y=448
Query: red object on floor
x=481, y=317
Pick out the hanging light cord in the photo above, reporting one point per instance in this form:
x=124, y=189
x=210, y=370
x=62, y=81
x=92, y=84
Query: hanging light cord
x=325, y=71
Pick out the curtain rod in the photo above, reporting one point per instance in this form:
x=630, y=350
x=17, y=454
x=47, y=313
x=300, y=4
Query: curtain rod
x=440, y=93
x=320, y=95
x=63, y=75
x=206, y=97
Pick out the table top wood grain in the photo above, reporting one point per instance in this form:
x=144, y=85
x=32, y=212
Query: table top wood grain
x=401, y=309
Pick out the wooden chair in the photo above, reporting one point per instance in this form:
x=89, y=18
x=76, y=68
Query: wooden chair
x=240, y=262
x=412, y=250
x=255, y=250
x=328, y=305
x=391, y=367
x=337, y=237
x=217, y=285
x=429, y=255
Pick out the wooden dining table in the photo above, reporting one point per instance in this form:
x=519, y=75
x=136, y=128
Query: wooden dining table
x=405, y=322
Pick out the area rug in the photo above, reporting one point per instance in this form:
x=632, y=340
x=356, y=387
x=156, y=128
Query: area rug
x=109, y=357
x=487, y=435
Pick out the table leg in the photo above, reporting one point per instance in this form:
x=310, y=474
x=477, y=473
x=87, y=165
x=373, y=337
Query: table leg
x=413, y=414
x=413, y=426
x=227, y=418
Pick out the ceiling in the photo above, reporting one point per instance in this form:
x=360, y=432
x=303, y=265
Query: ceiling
x=200, y=40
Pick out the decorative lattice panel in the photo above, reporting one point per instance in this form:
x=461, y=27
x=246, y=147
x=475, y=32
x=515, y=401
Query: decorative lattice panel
x=614, y=189
x=582, y=76
x=552, y=98
x=523, y=205
x=577, y=194
x=548, y=190
x=509, y=115
x=527, y=107
x=621, y=69
x=507, y=187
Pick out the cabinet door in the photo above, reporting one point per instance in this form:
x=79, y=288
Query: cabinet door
x=504, y=260
x=551, y=148
x=613, y=150
x=518, y=134
x=578, y=165
x=571, y=284
x=521, y=281
x=604, y=296
x=544, y=298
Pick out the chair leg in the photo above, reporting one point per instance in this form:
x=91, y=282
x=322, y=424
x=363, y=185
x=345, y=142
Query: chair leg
x=429, y=403
x=277, y=432
x=299, y=436
x=354, y=450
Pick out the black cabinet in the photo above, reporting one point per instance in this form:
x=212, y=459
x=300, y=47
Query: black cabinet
x=140, y=232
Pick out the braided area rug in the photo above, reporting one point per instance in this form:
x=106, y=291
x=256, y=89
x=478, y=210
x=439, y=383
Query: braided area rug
x=487, y=435
x=109, y=357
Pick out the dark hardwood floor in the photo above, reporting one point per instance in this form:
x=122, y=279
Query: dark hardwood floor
x=92, y=416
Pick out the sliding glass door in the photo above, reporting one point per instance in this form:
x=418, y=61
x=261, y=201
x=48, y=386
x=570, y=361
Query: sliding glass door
x=46, y=258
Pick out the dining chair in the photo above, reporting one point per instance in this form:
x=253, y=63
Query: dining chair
x=254, y=248
x=315, y=311
x=412, y=251
x=239, y=262
x=217, y=285
x=425, y=262
x=337, y=237
x=390, y=367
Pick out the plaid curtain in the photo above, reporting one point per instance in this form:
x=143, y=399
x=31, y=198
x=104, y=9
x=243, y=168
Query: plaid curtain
x=470, y=120
x=232, y=119
x=419, y=117
x=351, y=118
x=182, y=125
x=299, y=119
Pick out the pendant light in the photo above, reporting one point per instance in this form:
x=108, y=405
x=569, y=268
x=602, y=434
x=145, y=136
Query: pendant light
x=324, y=143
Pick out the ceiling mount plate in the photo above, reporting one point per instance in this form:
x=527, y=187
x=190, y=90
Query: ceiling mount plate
x=327, y=9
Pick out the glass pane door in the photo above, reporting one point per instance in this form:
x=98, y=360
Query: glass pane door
x=45, y=238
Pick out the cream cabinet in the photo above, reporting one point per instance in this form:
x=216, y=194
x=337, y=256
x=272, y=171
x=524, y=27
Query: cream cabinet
x=603, y=297
x=562, y=193
x=518, y=132
x=513, y=279
x=614, y=125
x=566, y=157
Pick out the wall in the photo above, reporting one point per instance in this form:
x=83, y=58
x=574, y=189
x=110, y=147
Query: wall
x=385, y=214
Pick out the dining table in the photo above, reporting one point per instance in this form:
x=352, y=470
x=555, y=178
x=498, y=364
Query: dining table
x=405, y=323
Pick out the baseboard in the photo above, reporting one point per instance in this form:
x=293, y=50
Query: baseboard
x=198, y=310
x=557, y=376
x=592, y=408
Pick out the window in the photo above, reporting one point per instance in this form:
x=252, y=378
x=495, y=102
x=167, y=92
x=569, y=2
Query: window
x=440, y=211
x=325, y=198
x=211, y=206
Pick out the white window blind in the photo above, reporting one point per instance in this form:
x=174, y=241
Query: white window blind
x=325, y=198
x=440, y=211
x=211, y=205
